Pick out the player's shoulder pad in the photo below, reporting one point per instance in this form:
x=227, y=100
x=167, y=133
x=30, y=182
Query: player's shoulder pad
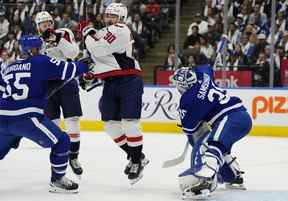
x=119, y=29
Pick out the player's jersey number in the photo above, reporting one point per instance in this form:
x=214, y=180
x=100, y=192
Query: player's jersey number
x=22, y=89
x=216, y=92
x=109, y=37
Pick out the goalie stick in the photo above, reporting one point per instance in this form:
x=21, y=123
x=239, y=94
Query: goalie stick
x=176, y=161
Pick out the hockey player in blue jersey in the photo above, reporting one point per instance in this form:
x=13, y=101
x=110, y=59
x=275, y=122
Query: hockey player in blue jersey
x=23, y=92
x=213, y=121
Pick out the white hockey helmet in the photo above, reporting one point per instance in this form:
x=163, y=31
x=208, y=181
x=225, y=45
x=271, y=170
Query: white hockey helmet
x=118, y=9
x=43, y=16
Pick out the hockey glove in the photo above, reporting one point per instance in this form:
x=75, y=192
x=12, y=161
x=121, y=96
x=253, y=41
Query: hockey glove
x=86, y=80
x=51, y=37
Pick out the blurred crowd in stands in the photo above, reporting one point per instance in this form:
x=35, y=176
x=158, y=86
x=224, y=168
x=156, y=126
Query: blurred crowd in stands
x=249, y=35
x=146, y=18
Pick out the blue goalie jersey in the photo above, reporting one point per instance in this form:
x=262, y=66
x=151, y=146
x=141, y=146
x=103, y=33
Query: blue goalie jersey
x=23, y=84
x=205, y=101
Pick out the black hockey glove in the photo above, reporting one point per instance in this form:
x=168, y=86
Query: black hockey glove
x=50, y=36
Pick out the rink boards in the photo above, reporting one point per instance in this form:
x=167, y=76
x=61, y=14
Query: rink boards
x=267, y=107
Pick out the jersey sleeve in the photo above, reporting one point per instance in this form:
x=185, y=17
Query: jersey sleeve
x=113, y=39
x=61, y=70
x=67, y=44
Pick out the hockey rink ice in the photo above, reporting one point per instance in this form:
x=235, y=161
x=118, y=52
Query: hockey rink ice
x=25, y=173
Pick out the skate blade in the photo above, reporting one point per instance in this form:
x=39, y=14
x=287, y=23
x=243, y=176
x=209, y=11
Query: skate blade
x=235, y=187
x=54, y=189
x=134, y=181
x=190, y=196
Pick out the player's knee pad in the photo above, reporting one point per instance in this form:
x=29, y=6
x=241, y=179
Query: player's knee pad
x=230, y=170
x=72, y=125
x=56, y=121
x=115, y=130
x=133, y=132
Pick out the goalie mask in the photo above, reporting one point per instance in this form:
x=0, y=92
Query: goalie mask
x=184, y=78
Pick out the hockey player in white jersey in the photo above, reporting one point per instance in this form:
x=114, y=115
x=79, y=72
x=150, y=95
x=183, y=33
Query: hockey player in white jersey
x=60, y=44
x=111, y=50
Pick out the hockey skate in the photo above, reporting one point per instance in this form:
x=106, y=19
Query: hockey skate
x=237, y=184
x=63, y=185
x=76, y=166
x=144, y=162
x=238, y=181
x=135, y=173
x=200, y=190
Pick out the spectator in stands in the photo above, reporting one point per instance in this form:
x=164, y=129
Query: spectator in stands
x=66, y=21
x=4, y=27
x=240, y=22
x=257, y=16
x=98, y=22
x=172, y=61
x=234, y=34
x=282, y=22
x=190, y=62
x=261, y=71
x=9, y=45
x=247, y=48
x=5, y=59
x=284, y=41
x=201, y=23
x=261, y=44
x=213, y=36
x=141, y=29
x=206, y=48
x=193, y=38
x=153, y=9
x=17, y=31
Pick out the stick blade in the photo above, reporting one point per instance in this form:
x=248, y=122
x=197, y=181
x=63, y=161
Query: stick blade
x=173, y=162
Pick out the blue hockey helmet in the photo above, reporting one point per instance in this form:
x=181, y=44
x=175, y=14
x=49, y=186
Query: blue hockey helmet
x=28, y=42
x=184, y=78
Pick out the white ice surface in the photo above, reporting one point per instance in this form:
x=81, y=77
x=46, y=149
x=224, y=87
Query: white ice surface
x=25, y=173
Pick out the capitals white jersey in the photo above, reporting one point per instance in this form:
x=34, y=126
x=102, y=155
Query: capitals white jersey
x=111, y=49
x=67, y=48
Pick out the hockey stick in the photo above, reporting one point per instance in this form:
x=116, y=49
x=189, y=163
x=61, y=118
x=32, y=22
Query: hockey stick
x=97, y=84
x=54, y=91
x=178, y=160
x=173, y=162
